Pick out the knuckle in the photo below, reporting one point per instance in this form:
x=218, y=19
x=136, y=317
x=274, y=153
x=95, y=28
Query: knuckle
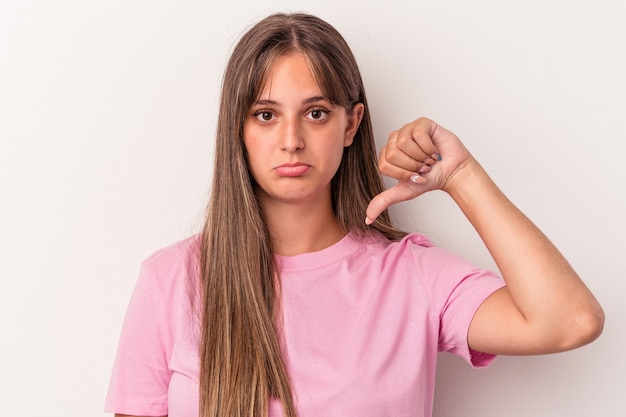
x=403, y=141
x=385, y=201
x=392, y=137
x=391, y=153
x=384, y=167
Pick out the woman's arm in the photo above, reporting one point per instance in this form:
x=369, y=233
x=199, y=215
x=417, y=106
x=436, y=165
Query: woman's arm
x=545, y=306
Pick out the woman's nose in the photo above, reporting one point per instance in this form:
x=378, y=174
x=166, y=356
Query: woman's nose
x=292, y=136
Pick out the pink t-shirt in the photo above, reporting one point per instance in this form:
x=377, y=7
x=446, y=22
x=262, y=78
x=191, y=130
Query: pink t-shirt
x=363, y=323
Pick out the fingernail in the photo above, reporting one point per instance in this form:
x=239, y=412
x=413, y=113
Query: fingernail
x=418, y=179
x=436, y=156
x=368, y=221
x=424, y=169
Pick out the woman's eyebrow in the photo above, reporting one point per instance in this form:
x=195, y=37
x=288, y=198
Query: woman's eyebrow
x=266, y=102
x=314, y=99
x=309, y=100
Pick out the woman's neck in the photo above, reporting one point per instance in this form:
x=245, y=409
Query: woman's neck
x=302, y=228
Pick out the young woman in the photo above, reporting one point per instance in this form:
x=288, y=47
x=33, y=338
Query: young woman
x=299, y=297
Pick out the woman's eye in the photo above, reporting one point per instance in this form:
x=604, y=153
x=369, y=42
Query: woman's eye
x=265, y=116
x=318, y=114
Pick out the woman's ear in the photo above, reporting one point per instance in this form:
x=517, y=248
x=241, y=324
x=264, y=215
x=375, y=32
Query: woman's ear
x=354, y=121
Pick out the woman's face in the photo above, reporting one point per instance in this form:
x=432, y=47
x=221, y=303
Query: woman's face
x=294, y=137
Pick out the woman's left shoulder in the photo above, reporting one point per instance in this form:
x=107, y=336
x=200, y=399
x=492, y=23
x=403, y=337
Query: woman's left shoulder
x=419, y=249
x=416, y=240
x=410, y=242
x=394, y=251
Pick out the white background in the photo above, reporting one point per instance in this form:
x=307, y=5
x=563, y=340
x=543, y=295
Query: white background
x=107, y=115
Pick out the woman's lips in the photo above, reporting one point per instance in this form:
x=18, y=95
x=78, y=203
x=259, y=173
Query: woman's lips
x=292, y=169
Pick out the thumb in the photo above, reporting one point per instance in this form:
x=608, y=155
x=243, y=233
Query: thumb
x=402, y=191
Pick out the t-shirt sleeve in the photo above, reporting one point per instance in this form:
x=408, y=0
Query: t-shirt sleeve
x=140, y=377
x=458, y=312
x=457, y=288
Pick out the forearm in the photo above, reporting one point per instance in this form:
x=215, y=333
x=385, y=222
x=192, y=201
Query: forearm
x=552, y=299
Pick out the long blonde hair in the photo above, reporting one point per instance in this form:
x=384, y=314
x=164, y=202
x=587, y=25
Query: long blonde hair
x=241, y=364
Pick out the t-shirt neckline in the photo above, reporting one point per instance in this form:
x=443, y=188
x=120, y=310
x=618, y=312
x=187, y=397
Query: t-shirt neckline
x=339, y=250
